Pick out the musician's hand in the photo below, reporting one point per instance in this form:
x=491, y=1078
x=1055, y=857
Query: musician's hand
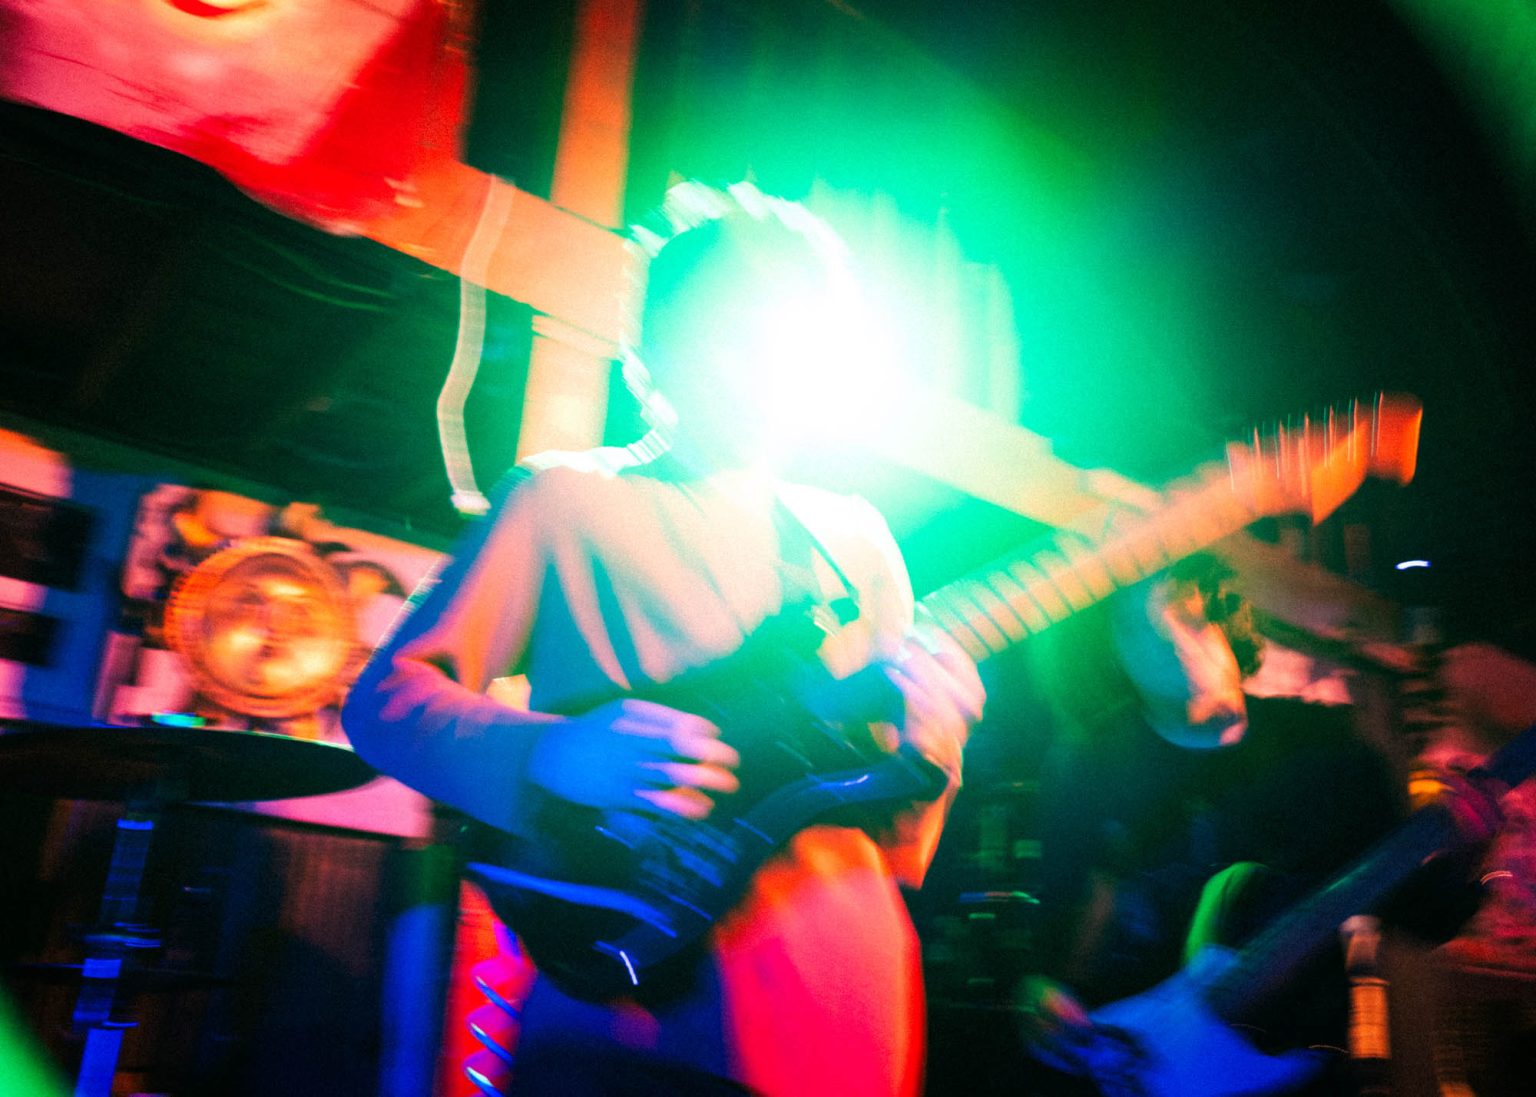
x=1051, y=1020
x=632, y=755
x=943, y=697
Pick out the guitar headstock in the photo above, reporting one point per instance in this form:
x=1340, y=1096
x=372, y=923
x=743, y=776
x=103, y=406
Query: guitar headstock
x=1313, y=466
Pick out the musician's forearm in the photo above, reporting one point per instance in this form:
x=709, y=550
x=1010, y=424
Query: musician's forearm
x=465, y=750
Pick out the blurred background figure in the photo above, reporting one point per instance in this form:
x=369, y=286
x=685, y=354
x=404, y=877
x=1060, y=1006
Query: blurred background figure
x=1174, y=810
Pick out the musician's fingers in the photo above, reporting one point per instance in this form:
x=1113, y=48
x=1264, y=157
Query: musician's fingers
x=886, y=736
x=932, y=692
x=944, y=671
x=637, y=717
x=920, y=703
x=684, y=775
x=707, y=749
x=942, y=744
x=661, y=732
x=937, y=719
x=689, y=803
x=1047, y=1008
x=1064, y=1009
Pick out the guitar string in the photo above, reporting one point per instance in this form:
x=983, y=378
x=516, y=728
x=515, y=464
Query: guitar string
x=1051, y=579
x=970, y=591
x=1191, y=521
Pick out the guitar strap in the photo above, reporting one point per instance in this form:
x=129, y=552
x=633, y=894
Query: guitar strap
x=798, y=549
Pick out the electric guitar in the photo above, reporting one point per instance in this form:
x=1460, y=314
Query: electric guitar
x=1176, y=1039
x=609, y=902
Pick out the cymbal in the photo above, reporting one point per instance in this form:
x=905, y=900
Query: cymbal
x=108, y=762
x=134, y=978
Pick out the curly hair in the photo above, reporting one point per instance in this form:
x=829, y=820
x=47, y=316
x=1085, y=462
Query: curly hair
x=704, y=259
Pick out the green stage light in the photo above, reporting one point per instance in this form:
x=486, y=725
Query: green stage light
x=830, y=373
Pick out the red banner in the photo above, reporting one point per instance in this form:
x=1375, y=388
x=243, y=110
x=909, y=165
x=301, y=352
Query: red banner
x=320, y=108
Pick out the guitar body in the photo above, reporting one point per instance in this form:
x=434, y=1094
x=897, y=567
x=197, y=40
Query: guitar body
x=629, y=901
x=1176, y=1039
x=1167, y=1042
x=608, y=902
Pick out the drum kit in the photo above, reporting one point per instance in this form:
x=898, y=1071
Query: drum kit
x=264, y=631
x=148, y=769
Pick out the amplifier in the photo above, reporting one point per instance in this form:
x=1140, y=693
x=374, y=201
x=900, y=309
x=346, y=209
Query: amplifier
x=62, y=536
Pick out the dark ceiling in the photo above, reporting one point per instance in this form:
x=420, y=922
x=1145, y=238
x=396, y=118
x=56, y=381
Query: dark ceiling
x=1324, y=212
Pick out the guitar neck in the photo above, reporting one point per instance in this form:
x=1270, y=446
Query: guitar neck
x=1273, y=956
x=1271, y=959
x=1024, y=593
x=1308, y=469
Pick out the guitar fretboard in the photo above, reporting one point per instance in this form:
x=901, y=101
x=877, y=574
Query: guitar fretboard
x=1273, y=956
x=1023, y=593
x=1311, y=468
x=1271, y=959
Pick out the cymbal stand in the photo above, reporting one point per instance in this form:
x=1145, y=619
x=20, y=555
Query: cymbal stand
x=117, y=935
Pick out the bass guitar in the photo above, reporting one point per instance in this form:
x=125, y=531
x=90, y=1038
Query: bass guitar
x=609, y=902
x=1177, y=1039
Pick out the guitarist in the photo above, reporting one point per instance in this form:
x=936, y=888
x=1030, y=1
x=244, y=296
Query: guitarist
x=1177, y=811
x=596, y=573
